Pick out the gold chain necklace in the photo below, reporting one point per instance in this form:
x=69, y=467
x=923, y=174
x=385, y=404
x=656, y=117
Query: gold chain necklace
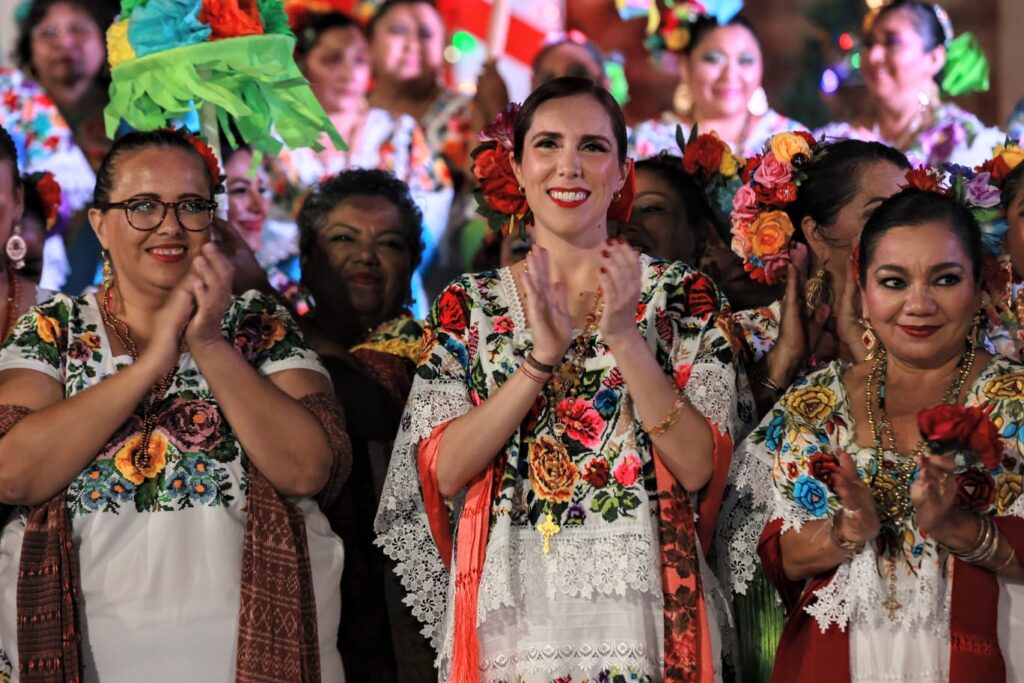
x=891, y=481
x=141, y=458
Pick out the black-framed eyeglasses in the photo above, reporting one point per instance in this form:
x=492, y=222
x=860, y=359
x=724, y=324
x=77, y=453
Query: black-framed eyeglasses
x=148, y=213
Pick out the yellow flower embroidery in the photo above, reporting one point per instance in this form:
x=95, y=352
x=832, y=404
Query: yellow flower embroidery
x=1010, y=487
x=47, y=329
x=1007, y=386
x=814, y=404
x=552, y=471
x=91, y=340
x=157, y=458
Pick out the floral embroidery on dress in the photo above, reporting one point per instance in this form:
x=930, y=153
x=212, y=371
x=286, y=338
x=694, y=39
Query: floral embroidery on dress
x=191, y=450
x=402, y=337
x=649, y=138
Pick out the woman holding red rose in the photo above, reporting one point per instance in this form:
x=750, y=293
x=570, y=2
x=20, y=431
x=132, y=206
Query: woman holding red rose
x=896, y=562
x=548, y=407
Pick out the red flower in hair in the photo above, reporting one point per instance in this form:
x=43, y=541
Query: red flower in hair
x=622, y=207
x=703, y=156
x=231, y=18
x=998, y=169
x=923, y=179
x=807, y=137
x=493, y=170
x=502, y=128
x=49, y=193
x=207, y=154
x=751, y=166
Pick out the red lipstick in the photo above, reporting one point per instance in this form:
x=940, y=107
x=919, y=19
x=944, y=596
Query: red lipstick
x=568, y=198
x=920, y=331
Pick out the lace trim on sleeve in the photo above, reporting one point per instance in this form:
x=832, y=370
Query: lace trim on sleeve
x=711, y=389
x=401, y=524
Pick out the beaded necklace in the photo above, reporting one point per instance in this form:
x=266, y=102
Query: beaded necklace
x=892, y=473
x=141, y=458
x=13, y=292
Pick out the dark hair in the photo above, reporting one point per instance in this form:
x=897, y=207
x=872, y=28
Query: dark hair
x=694, y=199
x=588, y=46
x=912, y=207
x=327, y=195
x=101, y=11
x=9, y=154
x=315, y=25
x=133, y=142
x=389, y=5
x=705, y=26
x=832, y=179
x=1013, y=184
x=924, y=17
x=569, y=86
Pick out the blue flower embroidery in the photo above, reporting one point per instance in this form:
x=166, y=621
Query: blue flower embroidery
x=120, y=489
x=811, y=494
x=773, y=433
x=202, y=489
x=605, y=403
x=94, y=497
x=177, y=485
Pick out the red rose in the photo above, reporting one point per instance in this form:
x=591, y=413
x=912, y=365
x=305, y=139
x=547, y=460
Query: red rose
x=622, y=207
x=751, y=166
x=48, y=190
x=451, y=311
x=785, y=193
x=808, y=137
x=701, y=298
x=641, y=311
x=948, y=425
x=823, y=467
x=984, y=441
x=765, y=194
x=493, y=170
x=703, y=156
x=596, y=473
x=976, y=490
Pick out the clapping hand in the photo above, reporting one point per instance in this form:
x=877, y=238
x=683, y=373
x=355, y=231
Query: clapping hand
x=860, y=520
x=933, y=491
x=621, y=278
x=547, y=308
x=210, y=281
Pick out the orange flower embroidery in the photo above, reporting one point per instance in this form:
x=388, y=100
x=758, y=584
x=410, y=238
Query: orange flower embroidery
x=157, y=458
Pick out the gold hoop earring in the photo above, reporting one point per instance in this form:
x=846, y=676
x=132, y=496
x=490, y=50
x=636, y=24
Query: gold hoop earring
x=682, y=99
x=818, y=292
x=869, y=339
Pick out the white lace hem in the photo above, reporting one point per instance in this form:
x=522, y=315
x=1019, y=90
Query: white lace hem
x=711, y=389
x=401, y=524
x=582, y=562
x=554, y=659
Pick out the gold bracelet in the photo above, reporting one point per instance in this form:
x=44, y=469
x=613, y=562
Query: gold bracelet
x=760, y=375
x=849, y=548
x=673, y=416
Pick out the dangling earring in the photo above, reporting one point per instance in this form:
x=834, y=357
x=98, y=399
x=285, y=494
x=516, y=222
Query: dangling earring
x=818, y=292
x=868, y=339
x=16, y=248
x=108, y=272
x=682, y=99
x=758, y=104
x=977, y=336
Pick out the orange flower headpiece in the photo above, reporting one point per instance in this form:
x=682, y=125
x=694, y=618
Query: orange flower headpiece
x=761, y=229
x=500, y=199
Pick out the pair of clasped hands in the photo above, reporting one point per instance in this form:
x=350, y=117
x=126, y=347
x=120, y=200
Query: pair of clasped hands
x=619, y=277
x=195, y=308
x=931, y=492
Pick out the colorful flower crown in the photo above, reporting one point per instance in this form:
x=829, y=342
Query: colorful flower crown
x=669, y=29
x=761, y=228
x=710, y=161
x=973, y=189
x=1005, y=158
x=48, y=190
x=499, y=197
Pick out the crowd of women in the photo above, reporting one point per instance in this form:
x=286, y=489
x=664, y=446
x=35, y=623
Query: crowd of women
x=750, y=407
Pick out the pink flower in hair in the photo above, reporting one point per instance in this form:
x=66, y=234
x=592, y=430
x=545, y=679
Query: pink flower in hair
x=772, y=172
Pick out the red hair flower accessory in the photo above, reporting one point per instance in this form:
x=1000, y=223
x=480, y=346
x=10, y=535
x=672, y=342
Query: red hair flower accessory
x=956, y=430
x=48, y=190
x=209, y=158
x=925, y=178
x=231, y=18
x=761, y=229
x=1005, y=158
x=710, y=162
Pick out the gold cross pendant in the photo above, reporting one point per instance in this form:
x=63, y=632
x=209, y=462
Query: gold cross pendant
x=892, y=605
x=547, y=529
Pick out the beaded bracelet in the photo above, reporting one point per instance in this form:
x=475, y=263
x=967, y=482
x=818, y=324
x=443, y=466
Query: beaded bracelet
x=673, y=416
x=849, y=548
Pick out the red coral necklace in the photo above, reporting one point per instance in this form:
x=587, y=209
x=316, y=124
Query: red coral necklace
x=13, y=292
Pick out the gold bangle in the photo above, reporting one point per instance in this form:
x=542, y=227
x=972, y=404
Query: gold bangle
x=673, y=416
x=849, y=548
x=761, y=376
x=1006, y=563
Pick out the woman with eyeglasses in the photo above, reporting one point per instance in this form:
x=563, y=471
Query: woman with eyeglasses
x=172, y=533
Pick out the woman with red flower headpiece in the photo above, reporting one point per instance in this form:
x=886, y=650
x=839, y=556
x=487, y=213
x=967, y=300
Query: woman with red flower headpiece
x=886, y=494
x=577, y=410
